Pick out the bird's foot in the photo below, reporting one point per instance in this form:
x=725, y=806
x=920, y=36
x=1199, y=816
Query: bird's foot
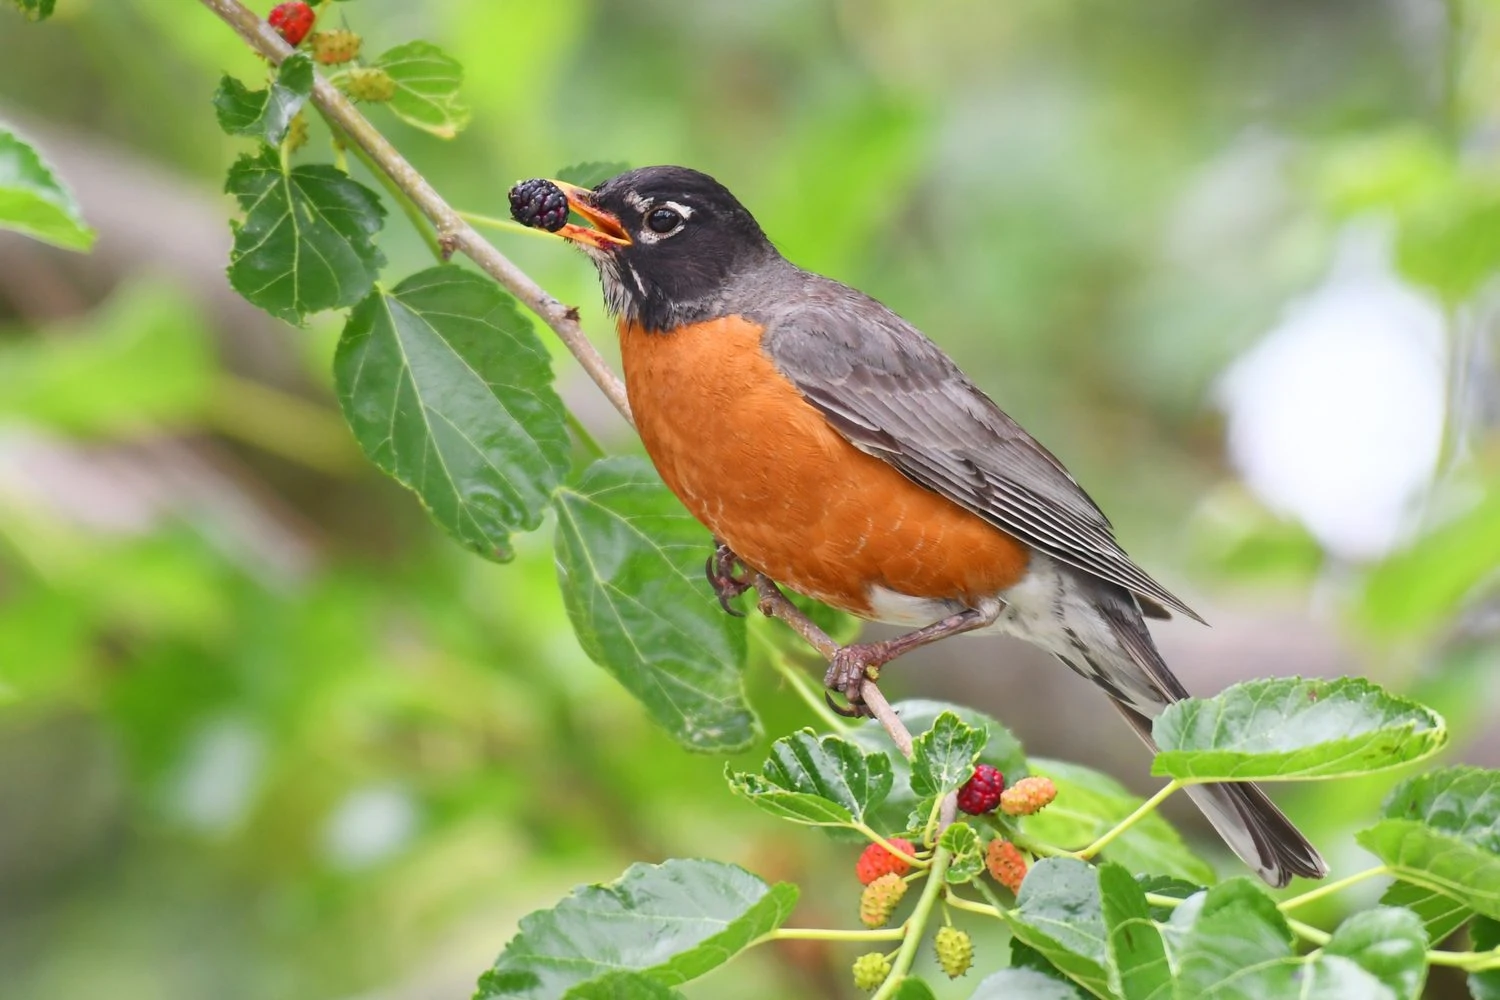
x=847, y=672
x=728, y=576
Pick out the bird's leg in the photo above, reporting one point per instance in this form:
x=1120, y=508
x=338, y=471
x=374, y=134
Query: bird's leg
x=728, y=576
x=852, y=665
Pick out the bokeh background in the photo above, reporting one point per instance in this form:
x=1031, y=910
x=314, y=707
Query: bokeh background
x=266, y=733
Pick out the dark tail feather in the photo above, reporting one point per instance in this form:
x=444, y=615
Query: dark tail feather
x=1248, y=821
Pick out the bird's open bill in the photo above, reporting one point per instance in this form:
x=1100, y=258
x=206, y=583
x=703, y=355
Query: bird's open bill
x=607, y=231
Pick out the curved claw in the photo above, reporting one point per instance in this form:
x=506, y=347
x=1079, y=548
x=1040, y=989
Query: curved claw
x=721, y=576
x=854, y=710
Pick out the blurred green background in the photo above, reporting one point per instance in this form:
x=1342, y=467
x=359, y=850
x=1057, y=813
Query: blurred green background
x=266, y=733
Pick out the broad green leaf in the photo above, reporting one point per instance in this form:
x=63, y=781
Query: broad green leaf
x=674, y=921
x=912, y=988
x=36, y=10
x=968, y=852
x=1424, y=586
x=1240, y=948
x=32, y=201
x=1290, y=729
x=427, y=85
x=1024, y=984
x=630, y=561
x=1388, y=943
x=143, y=360
x=306, y=241
x=1450, y=240
x=622, y=986
x=265, y=114
x=1485, y=936
x=448, y=389
x=1089, y=804
x=943, y=757
x=1003, y=751
x=1137, y=957
x=1440, y=915
x=1058, y=913
x=592, y=174
x=1442, y=833
x=827, y=782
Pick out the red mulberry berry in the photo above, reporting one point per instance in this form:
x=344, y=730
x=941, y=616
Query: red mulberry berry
x=539, y=204
x=1006, y=864
x=981, y=793
x=292, y=21
x=877, y=861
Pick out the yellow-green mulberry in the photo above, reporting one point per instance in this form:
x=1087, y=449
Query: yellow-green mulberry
x=955, y=951
x=880, y=899
x=871, y=970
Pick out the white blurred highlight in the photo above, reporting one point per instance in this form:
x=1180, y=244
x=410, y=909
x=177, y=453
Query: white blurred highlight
x=1336, y=416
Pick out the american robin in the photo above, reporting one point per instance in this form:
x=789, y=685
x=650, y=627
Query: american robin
x=834, y=448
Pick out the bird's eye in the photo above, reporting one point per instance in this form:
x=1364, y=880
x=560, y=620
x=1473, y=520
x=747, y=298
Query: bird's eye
x=663, y=220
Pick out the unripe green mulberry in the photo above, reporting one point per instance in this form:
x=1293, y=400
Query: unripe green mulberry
x=871, y=970
x=880, y=898
x=335, y=47
x=296, y=133
x=368, y=84
x=955, y=951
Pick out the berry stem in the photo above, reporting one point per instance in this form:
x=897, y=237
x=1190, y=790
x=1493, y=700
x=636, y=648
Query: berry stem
x=509, y=226
x=916, y=925
x=958, y=902
x=1146, y=809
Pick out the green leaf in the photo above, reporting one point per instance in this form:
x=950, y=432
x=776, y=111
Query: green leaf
x=674, y=921
x=591, y=174
x=36, y=10
x=943, y=757
x=265, y=114
x=1442, y=832
x=140, y=362
x=1089, y=804
x=1485, y=936
x=1440, y=914
x=1289, y=729
x=1423, y=587
x=1003, y=751
x=1388, y=943
x=912, y=988
x=1137, y=956
x=1058, y=914
x=32, y=201
x=427, y=84
x=963, y=843
x=448, y=389
x=827, y=782
x=630, y=561
x=305, y=244
x=622, y=986
x=1024, y=984
x=1450, y=239
x=1240, y=948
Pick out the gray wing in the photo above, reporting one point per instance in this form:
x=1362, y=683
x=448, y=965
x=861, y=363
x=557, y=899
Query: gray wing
x=894, y=394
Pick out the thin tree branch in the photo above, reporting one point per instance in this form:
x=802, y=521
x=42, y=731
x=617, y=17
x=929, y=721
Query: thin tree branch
x=452, y=230
x=456, y=234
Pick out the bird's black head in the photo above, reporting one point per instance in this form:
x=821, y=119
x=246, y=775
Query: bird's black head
x=668, y=242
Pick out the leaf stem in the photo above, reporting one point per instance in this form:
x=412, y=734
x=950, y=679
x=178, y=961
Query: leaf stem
x=958, y=902
x=916, y=925
x=798, y=683
x=898, y=852
x=1308, y=932
x=830, y=934
x=1469, y=961
x=1146, y=808
x=1332, y=887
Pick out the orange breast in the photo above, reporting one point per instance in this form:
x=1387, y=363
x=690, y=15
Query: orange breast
x=758, y=465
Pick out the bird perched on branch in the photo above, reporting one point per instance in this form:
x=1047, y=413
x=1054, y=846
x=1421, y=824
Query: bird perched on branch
x=831, y=446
